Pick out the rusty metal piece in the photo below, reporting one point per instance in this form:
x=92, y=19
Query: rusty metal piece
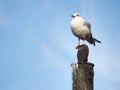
x=82, y=54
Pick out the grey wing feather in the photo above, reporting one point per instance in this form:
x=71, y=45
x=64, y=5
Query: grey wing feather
x=87, y=24
x=91, y=39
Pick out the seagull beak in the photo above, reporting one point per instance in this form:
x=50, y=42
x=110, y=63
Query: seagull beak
x=72, y=16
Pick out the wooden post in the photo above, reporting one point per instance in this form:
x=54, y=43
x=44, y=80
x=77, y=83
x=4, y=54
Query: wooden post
x=82, y=72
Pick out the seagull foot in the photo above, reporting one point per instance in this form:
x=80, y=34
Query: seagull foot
x=78, y=46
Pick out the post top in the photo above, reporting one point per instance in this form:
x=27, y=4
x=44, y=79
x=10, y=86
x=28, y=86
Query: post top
x=88, y=63
x=82, y=53
x=80, y=63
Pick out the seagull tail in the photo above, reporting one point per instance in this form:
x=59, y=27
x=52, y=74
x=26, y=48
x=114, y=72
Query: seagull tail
x=93, y=40
x=96, y=40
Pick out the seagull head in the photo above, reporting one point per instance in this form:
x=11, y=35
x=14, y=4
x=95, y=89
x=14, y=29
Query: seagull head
x=75, y=15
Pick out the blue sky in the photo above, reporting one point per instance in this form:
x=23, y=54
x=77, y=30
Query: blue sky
x=37, y=45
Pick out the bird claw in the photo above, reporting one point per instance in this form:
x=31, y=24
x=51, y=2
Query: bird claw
x=78, y=46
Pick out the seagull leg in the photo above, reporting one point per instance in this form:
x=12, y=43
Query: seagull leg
x=83, y=39
x=78, y=46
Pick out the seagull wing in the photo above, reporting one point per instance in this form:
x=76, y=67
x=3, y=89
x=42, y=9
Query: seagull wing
x=87, y=24
x=91, y=40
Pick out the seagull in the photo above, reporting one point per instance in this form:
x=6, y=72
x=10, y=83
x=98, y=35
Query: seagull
x=82, y=30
